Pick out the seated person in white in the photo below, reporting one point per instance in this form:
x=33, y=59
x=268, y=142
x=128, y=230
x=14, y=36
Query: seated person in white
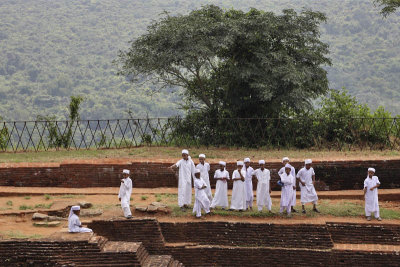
x=74, y=224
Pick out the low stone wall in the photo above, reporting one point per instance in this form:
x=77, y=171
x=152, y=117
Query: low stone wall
x=333, y=175
x=248, y=234
x=350, y=233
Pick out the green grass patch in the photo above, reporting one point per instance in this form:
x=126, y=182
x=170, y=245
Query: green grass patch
x=19, y=235
x=144, y=197
x=43, y=206
x=71, y=196
x=27, y=197
x=5, y=208
x=9, y=203
x=47, y=196
x=25, y=207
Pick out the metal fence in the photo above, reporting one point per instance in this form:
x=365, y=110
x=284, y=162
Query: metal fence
x=318, y=133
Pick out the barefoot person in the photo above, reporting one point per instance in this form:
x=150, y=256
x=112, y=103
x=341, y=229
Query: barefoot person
x=204, y=168
x=186, y=172
x=371, y=185
x=74, y=224
x=221, y=188
x=288, y=187
x=201, y=198
x=307, y=180
x=263, y=187
x=125, y=191
x=285, y=161
x=238, y=201
x=248, y=183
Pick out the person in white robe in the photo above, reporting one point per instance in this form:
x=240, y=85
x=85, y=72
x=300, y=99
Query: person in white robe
x=263, y=177
x=371, y=184
x=306, y=181
x=221, y=188
x=204, y=168
x=285, y=161
x=186, y=173
x=249, y=183
x=238, y=201
x=201, y=201
x=288, y=187
x=74, y=224
x=124, y=195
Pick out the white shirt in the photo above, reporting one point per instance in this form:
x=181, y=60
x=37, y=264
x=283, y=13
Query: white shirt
x=74, y=223
x=186, y=169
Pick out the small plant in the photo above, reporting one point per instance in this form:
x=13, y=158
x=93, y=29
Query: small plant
x=9, y=203
x=159, y=199
x=25, y=207
x=131, y=199
x=27, y=197
x=144, y=197
x=43, y=206
x=47, y=196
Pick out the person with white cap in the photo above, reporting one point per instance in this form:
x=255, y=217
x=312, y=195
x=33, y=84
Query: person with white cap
x=263, y=176
x=248, y=183
x=186, y=172
x=285, y=161
x=306, y=177
x=74, y=224
x=125, y=191
x=204, y=168
x=201, y=199
x=221, y=188
x=238, y=201
x=288, y=182
x=371, y=184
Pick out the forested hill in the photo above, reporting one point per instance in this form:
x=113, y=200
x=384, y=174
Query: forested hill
x=50, y=50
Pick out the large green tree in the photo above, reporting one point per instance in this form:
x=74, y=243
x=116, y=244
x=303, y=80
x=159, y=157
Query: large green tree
x=232, y=63
x=388, y=6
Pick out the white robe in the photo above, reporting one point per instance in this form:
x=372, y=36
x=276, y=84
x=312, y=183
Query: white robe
x=201, y=199
x=308, y=193
x=125, y=191
x=221, y=190
x=186, y=172
x=249, y=185
x=74, y=225
x=371, y=197
x=263, y=196
x=238, y=201
x=293, y=173
x=204, y=174
x=287, y=190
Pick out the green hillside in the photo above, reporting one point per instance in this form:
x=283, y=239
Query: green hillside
x=50, y=50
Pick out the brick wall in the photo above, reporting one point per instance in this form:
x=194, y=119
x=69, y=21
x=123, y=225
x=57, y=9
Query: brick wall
x=350, y=233
x=146, y=231
x=333, y=175
x=248, y=234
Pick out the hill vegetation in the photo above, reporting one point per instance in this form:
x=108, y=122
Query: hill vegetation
x=50, y=50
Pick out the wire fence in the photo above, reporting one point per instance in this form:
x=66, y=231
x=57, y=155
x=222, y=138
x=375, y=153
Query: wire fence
x=320, y=133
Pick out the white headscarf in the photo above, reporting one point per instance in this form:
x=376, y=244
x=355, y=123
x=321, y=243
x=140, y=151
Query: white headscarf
x=288, y=166
x=239, y=163
x=71, y=212
x=202, y=156
x=246, y=160
x=223, y=163
x=185, y=151
x=308, y=161
x=261, y=161
x=285, y=158
x=371, y=170
x=126, y=171
x=196, y=170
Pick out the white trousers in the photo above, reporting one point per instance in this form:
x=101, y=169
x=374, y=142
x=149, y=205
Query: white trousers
x=376, y=214
x=127, y=211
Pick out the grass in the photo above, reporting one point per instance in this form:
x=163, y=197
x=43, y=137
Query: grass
x=72, y=196
x=9, y=203
x=47, y=196
x=27, y=197
x=144, y=197
x=173, y=153
x=19, y=235
x=25, y=207
x=43, y=206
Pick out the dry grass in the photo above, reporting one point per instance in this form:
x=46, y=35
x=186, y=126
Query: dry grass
x=213, y=154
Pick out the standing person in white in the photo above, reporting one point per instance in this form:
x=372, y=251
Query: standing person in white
x=248, y=183
x=221, y=188
x=201, y=199
x=125, y=191
x=238, y=201
x=307, y=180
x=186, y=172
x=204, y=168
x=285, y=161
x=288, y=187
x=371, y=184
x=263, y=176
x=74, y=224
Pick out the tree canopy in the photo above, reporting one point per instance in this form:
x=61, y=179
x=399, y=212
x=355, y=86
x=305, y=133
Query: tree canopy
x=234, y=63
x=388, y=6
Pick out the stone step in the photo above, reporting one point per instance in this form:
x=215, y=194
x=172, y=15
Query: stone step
x=158, y=261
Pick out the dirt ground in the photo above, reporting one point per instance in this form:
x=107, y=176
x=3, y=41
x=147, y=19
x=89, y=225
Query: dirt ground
x=16, y=209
